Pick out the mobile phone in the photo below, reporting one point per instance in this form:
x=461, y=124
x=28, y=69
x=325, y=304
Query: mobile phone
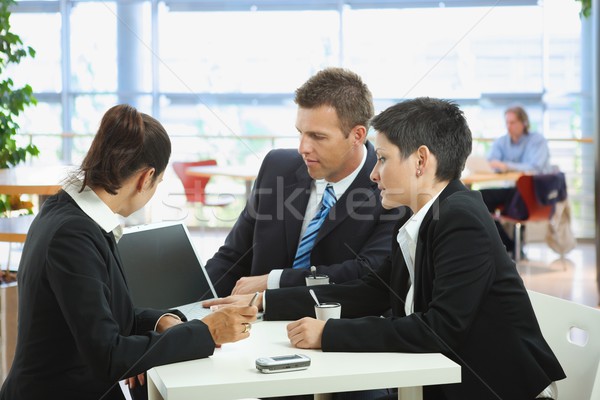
x=288, y=362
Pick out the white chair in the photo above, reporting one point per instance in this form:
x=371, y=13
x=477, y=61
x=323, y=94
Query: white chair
x=573, y=332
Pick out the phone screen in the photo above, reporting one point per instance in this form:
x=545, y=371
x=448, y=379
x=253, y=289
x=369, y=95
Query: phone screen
x=285, y=358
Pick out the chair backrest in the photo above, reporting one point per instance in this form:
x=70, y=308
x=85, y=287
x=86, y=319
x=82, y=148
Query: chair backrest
x=573, y=332
x=535, y=210
x=193, y=186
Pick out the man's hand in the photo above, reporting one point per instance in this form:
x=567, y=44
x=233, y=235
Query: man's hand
x=237, y=300
x=499, y=165
x=230, y=324
x=306, y=333
x=250, y=284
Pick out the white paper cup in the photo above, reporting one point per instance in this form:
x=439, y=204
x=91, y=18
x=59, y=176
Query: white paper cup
x=324, y=311
x=318, y=280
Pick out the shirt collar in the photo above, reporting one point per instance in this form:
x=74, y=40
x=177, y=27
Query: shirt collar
x=411, y=227
x=95, y=208
x=342, y=185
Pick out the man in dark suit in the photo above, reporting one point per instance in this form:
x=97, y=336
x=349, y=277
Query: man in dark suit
x=263, y=248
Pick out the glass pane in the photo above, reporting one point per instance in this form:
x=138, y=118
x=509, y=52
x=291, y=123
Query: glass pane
x=41, y=125
x=41, y=118
x=230, y=133
x=399, y=55
x=250, y=52
x=93, y=55
x=50, y=147
x=42, y=73
x=563, y=30
x=88, y=111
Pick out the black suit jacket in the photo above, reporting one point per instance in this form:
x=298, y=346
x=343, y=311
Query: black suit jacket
x=78, y=331
x=352, y=241
x=469, y=300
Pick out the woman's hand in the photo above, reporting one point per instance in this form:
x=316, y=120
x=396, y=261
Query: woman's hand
x=231, y=323
x=131, y=382
x=166, y=321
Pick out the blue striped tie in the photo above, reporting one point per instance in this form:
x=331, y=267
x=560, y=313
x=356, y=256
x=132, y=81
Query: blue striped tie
x=302, y=259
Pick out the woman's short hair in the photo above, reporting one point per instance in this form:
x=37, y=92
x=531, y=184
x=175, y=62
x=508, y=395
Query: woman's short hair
x=341, y=89
x=521, y=116
x=127, y=141
x=438, y=124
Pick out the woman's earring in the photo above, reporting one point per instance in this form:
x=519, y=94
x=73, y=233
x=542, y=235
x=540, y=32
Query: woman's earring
x=418, y=172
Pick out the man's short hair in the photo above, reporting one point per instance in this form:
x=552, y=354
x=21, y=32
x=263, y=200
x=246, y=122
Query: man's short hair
x=341, y=89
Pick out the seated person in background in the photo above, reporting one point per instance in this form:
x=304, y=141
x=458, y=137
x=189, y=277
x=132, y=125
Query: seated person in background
x=79, y=333
x=274, y=242
x=518, y=150
x=451, y=286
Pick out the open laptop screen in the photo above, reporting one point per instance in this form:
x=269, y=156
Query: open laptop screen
x=479, y=165
x=162, y=267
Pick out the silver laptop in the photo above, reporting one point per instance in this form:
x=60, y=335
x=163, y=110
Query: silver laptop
x=163, y=269
x=479, y=165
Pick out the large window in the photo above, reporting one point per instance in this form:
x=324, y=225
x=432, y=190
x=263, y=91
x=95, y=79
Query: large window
x=221, y=75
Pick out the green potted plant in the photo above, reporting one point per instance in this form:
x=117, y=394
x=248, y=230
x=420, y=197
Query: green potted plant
x=12, y=102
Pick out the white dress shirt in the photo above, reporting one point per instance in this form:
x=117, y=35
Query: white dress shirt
x=407, y=239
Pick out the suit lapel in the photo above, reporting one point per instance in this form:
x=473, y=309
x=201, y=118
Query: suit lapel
x=432, y=214
x=110, y=238
x=296, y=197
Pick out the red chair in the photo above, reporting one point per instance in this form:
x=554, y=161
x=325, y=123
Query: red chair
x=536, y=211
x=195, y=187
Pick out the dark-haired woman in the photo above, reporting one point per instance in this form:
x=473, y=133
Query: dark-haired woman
x=79, y=333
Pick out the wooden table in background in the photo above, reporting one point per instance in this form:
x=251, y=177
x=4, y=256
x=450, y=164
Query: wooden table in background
x=15, y=229
x=471, y=179
x=41, y=181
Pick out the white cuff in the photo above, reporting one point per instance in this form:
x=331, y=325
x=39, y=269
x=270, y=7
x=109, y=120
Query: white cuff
x=274, y=279
x=164, y=315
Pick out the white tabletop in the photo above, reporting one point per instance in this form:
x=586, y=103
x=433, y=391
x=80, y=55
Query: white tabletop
x=231, y=373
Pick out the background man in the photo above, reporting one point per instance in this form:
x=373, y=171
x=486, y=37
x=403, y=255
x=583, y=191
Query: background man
x=517, y=150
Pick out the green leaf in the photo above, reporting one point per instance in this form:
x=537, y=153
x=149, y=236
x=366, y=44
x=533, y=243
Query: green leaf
x=12, y=100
